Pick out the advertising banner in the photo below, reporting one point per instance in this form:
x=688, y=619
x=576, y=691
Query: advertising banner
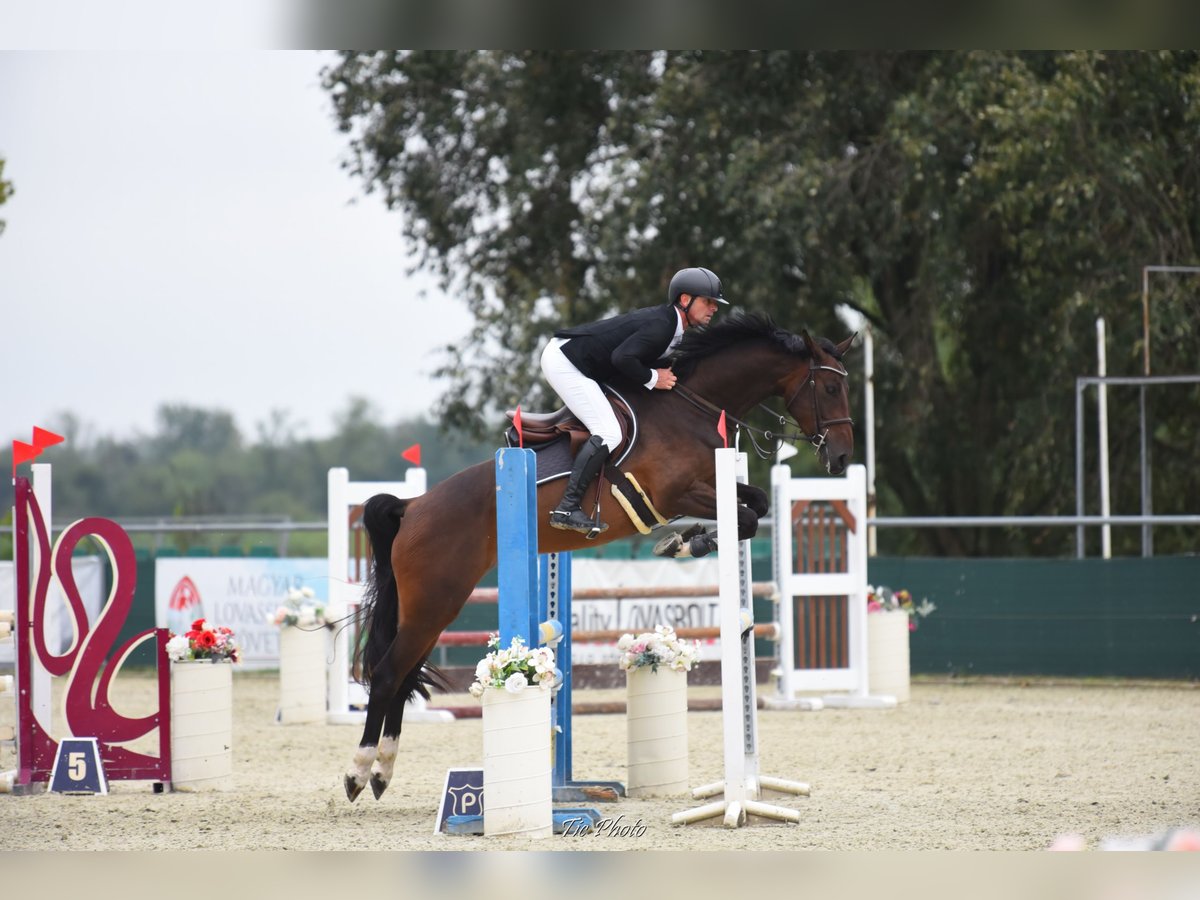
x=235, y=593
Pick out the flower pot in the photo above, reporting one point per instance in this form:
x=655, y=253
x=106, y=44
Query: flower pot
x=656, y=732
x=887, y=654
x=302, y=656
x=517, y=762
x=201, y=725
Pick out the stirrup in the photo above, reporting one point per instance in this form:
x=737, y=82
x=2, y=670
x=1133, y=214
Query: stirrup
x=578, y=521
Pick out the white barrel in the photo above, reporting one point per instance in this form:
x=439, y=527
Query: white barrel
x=302, y=658
x=656, y=732
x=6, y=684
x=517, y=763
x=887, y=653
x=201, y=725
x=5, y=630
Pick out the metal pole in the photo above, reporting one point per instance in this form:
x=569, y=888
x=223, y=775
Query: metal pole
x=1102, y=367
x=1147, y=530
x=869, y=379
x=1079, y=553
x=1145, y=320
x=1147, y=502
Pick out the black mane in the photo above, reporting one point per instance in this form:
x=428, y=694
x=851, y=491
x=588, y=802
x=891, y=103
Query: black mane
x=703, y=341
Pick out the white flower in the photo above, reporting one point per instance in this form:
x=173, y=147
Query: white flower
x=177, y=647
x=516, y=682
x=483, y=669
x=476, y=689
x=307, y=593
x=660, y=647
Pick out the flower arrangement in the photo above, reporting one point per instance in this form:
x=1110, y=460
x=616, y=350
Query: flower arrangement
x=659, y=647
x=514, y=668
x=884, y=599
x=204, y=643
x=300, y=608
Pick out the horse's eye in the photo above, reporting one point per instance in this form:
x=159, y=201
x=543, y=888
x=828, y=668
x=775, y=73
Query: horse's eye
x=831, y=388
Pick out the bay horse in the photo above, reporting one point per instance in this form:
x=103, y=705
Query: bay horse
x=430, y=552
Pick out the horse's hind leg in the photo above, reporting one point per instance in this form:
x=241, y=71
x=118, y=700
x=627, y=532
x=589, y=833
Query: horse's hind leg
x=404, y=656
x=385, y=757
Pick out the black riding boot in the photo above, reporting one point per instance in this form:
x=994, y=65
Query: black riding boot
x=588, y=463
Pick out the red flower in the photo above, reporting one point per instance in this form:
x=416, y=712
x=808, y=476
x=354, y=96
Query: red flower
x=198, y=625
x=207, y=640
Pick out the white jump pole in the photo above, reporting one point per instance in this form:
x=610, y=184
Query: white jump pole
x=346, y=697
x=743, y=784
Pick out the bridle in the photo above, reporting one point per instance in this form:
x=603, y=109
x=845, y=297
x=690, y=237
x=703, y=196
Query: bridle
x=822, y=426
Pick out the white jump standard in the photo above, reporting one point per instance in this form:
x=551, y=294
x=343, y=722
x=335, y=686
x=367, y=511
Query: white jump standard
x=743, y=785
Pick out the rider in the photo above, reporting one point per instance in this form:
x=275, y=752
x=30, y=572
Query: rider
x=632, y=344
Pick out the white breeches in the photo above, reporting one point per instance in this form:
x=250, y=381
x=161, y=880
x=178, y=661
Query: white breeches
x=581, y=395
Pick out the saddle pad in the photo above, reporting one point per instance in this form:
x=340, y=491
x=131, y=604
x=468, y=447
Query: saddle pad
x=554, y=459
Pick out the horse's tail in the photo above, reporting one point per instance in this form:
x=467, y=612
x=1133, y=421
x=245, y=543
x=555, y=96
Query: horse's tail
x=377, y=621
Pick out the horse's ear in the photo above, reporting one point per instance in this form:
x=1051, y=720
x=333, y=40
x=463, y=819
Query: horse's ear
x=844, y=347
x=809, y=342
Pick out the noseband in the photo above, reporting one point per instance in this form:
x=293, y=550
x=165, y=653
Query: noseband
x=822, y=426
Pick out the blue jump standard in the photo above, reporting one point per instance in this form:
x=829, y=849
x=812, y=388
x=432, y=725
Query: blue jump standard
x=534, y=589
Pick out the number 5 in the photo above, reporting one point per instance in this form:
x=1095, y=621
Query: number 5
x=76, y=766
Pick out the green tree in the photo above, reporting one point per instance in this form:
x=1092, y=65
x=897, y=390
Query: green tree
x=979, y=209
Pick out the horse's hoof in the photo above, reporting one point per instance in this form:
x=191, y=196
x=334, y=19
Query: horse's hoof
x=378, y=786
x=353, y=788
x=669, y=546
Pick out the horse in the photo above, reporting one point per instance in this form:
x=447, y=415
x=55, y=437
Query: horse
x=431, y=551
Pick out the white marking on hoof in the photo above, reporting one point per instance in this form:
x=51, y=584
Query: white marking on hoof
x=360, y=768
x=385, y=759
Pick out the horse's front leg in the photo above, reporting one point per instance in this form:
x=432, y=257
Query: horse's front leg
x=755, y=498
x=701, y=501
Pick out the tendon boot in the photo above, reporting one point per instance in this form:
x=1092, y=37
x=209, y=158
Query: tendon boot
x=568, y=516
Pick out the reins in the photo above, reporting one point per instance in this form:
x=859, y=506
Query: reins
x=817, y=440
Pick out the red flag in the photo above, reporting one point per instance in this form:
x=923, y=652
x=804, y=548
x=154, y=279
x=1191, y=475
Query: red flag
x=721, y=429
x=23, y=452
x=43, y=438
x=517, y=425
x=413, y=454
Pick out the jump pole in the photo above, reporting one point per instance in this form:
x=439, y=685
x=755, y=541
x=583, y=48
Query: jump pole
x=742, y=787
x=853, y=678
x=346, y=698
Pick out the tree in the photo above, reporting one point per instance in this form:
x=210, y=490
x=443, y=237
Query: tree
x=979, y=209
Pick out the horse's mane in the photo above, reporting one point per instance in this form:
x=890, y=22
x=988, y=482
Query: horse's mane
x=703, y=341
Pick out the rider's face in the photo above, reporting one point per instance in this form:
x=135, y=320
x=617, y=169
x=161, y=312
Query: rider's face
x=702, y=310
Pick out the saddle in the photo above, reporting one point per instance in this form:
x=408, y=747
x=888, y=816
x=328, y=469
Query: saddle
x=556, y=437
x=541, y=430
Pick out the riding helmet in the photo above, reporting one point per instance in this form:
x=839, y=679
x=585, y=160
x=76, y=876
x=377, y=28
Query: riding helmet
x=697, y=281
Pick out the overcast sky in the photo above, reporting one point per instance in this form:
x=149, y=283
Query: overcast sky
x=181, y=232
